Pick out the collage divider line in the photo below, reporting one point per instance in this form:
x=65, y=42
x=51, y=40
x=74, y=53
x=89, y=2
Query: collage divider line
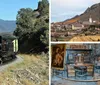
x=72, y=42
x=49, y=42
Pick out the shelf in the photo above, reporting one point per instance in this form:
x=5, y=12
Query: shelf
x=79, y=49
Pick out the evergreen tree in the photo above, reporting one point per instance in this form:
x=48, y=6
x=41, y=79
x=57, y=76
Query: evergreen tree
x=33, y=27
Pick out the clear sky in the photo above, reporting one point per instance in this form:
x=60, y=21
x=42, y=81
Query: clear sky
x=9, y=8
x=65, y=9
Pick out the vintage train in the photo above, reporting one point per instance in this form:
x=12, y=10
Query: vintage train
x=8, y=49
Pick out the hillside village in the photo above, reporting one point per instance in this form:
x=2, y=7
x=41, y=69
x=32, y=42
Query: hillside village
x=66, y=30
x=75, y=27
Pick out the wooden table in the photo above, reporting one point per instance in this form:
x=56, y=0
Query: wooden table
x=84, y=64
x=90, y=68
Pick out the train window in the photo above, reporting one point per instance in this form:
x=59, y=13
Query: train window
x=5, y=45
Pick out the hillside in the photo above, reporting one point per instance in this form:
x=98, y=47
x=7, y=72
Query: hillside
x=70, y=21
x=78, y=28
x=7, y=25
x=93, y=11
x=31, y=70
x=32, y=27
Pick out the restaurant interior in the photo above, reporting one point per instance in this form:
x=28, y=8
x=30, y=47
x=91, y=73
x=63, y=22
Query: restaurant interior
x=79, y=62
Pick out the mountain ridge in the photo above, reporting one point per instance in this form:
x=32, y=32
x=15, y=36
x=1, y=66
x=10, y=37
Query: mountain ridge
x=7, y=25
x=92, y=11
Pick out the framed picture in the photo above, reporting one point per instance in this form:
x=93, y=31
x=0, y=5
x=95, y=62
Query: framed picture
x=58, y=55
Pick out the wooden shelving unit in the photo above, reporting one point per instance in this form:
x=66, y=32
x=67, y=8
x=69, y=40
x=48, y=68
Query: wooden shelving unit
x=71, y=60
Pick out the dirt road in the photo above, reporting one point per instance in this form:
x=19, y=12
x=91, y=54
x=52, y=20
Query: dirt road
x=5, y=66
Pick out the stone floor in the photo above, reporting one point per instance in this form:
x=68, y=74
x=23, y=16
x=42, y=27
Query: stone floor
x=60, y=81
x=66, y=82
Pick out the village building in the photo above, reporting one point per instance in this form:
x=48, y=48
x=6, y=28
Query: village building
x=72, y=28
x=77, y=26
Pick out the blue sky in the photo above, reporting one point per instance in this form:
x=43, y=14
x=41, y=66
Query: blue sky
x=9, y=8
x=65, y=9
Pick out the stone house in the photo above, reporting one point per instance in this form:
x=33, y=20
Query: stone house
x=77, y=26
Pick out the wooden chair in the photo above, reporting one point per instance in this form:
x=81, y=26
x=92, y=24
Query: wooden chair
x=70, y=70
x=90, y=70
x=80, y=71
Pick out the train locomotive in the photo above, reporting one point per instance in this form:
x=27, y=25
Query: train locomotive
x=8, y=49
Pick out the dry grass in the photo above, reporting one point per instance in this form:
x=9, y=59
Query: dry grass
x=8, y=76
x=86, y=38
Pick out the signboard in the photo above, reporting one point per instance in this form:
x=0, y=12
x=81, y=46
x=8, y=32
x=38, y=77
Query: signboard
x=58, y=54
x=15, y=45
x=73, y=46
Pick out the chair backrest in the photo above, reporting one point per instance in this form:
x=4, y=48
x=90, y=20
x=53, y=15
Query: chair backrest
x=90, y=69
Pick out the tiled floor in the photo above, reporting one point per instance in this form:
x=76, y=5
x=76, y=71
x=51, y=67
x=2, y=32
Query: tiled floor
x=57, y=80
x=60, y=81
